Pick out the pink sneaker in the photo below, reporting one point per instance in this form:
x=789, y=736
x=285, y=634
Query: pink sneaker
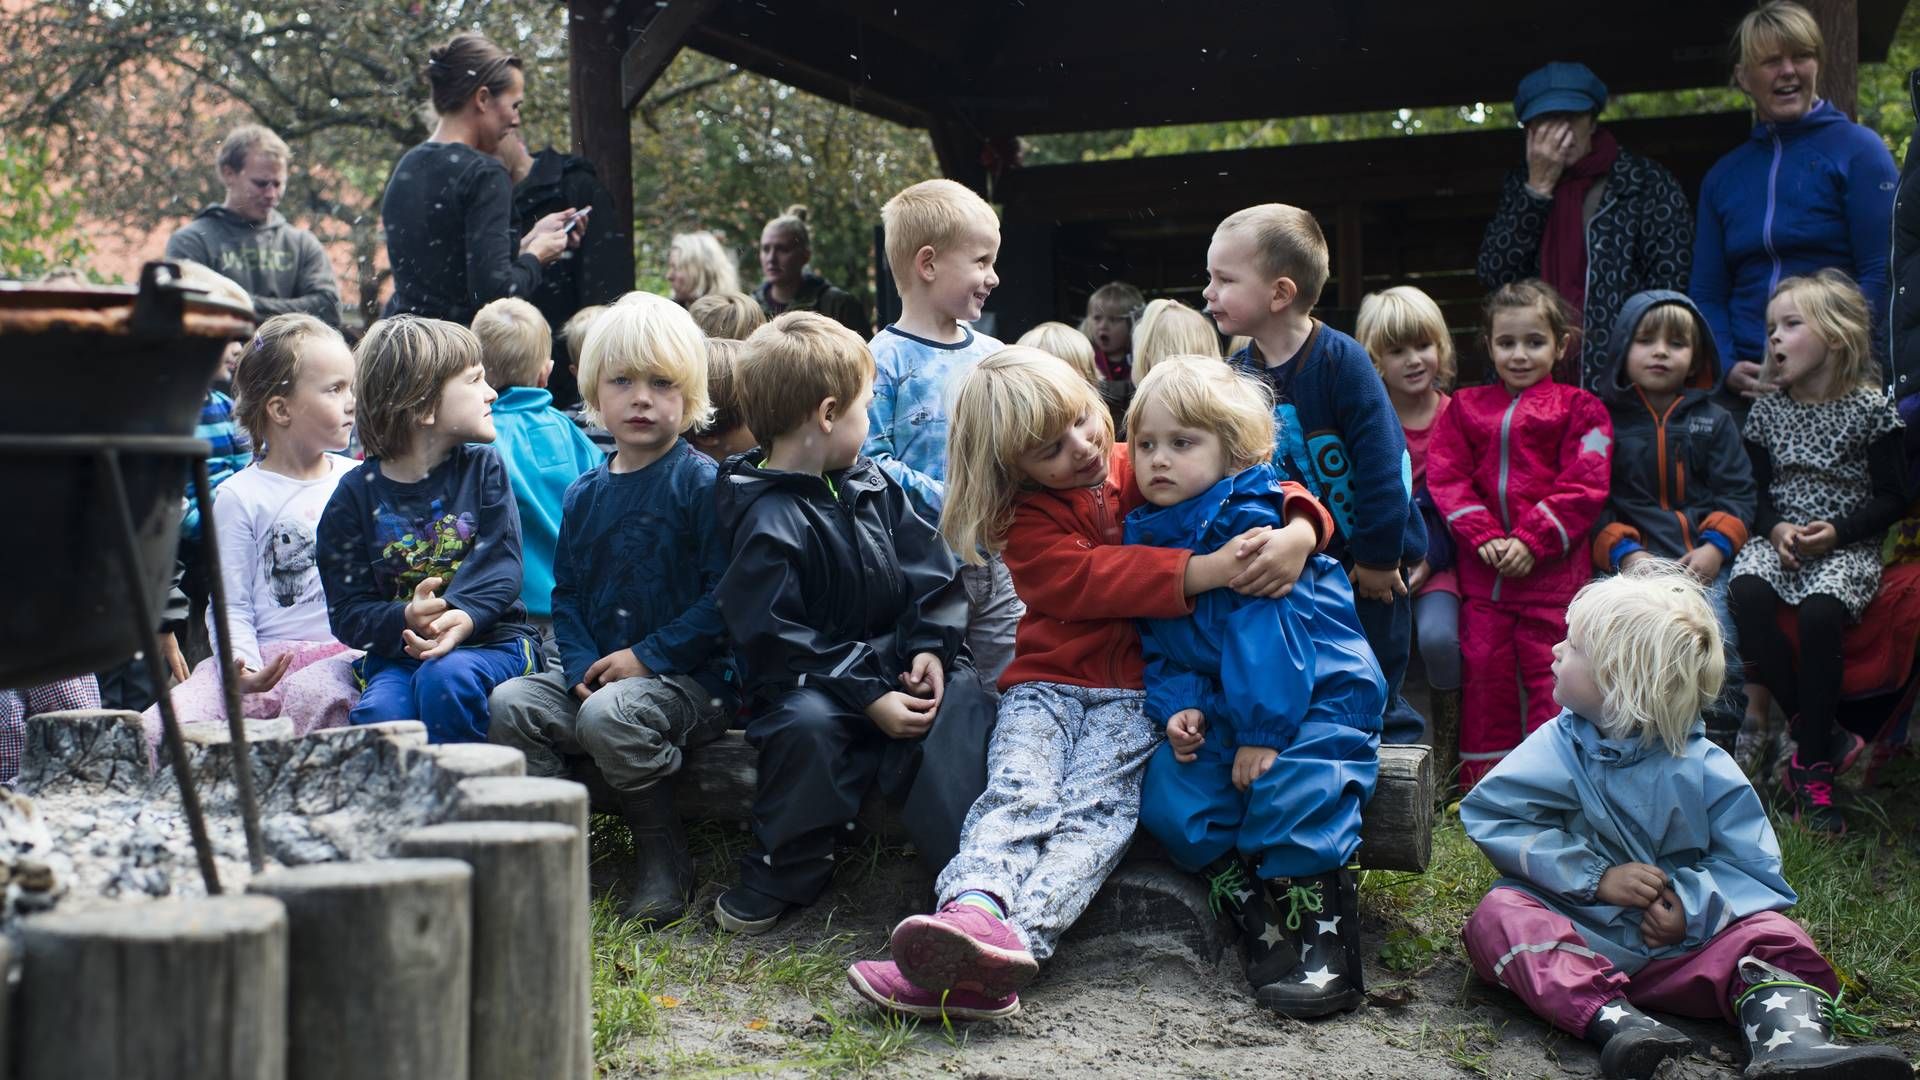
x=963, y=948
x=880, y=982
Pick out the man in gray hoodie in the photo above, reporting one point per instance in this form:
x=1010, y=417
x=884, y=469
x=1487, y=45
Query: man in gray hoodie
x=282, y=266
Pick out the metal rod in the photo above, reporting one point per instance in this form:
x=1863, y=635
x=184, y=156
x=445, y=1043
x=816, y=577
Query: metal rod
x=89, y=445
x=109, y=458
x=229, y=677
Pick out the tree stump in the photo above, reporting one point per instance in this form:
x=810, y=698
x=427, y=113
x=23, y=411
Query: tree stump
x=380, y=961
x=467, y=760
x=1149, y=898
x=189, y=989
x=531, y=955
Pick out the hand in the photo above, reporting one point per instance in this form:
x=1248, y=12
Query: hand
x=260, y=680
x=443, y=635
x=1278, y=558
x=1372, y=584
x=1816, y=538
x=170, y=652
x=927, y=678
x=1187, y=731
x=1743, y=378
x=1630, y=884
x=611, y=668
x=581, y=691
x=1250, y=763
x=1549, y=149
x=1665, y=921
x=1703, y=562
x=901, y=715
x=1517, y=561
x=425, y=605
x=1633, y=557
x=1216, y=568
x=1417, y=577
x=1785, y=538
x=548, y=237
x=1492, y=551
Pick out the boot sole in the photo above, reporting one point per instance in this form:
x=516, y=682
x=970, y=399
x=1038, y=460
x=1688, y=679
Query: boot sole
x=1640, y=1061
x=926, y=1012
x=937, y=956
x=1310, y=1010
x=1890, y=1065
x=729, y=921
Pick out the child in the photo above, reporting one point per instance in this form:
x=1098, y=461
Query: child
x=1171, y=328
x=1111, y=312
x=1036, y=474
x=420, y=545
x=726, y=434
x=848, y=626
x=643, y=667
x=1682, y=486
x=1271, y=707
x=1405, y=334
x=1265, y=268
x=731, y=315
x=1826, y=450
x=574, y=336
x=942, y=240
x=1641, y=872
x=1059, y=339
x=699, y=265
x=17, y=705
x=295, y=387
x=543, y=451
x=1519, y=470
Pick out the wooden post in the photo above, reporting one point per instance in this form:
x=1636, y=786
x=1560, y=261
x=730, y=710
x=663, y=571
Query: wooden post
x=465, y=760
x=596, y=37
x=174, y=988
x=1840, y=69
x=530, y=950
x=380, y=959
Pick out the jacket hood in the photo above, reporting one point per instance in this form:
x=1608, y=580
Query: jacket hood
x=1703, y=377
x=811, y=286
x=1185, y=521
x=219, y=213
x=1822, y=115
x=1596, y=746
x=743, y=481
x=522, y=399
x=549, y=169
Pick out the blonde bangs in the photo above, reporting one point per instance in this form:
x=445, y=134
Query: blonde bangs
x=1205, y=394
x=1404, y=316
x=642, y=335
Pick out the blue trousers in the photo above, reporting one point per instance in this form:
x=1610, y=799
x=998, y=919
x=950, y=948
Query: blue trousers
x=447, y=693
x=1389, y=630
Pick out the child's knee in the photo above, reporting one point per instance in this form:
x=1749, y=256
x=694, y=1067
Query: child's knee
x=803, y=717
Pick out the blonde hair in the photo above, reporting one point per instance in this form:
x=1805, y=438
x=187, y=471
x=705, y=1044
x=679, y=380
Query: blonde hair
x=1774, y=26
x=791, y=365
x=723, y=356
x=1834, y=306
x=931, y=213
x=1066, y=343
x=1403, y=316
x=1171, y=328
x=399, y=371
x=1115, y=297
x=270, y=368
x=1654, y=648
x=711, y=265
x=643, y=335
x=1201, y=392
x=248, y=139
x=793, y=222
x=515, y=342
x=1014, y=401
x=574, y=333
x=1287, y=243
x=732, y=315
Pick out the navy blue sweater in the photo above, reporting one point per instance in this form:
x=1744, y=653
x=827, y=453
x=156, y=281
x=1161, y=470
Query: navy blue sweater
x=379, y=538
x=635, y=568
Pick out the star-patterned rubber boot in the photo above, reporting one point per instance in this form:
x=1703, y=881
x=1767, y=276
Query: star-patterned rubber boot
x=1632, y=1044
x=1789, y=1028
x=1233, y=893
x=1323, y=913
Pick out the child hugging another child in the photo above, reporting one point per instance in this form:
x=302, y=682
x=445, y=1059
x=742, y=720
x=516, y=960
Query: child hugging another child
x=294, y=387
x=1641, y=871
x=420, y=545
x=1826, y=450
x=1519, y=471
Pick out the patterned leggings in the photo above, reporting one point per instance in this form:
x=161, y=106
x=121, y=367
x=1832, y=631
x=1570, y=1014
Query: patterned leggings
x=317, y=691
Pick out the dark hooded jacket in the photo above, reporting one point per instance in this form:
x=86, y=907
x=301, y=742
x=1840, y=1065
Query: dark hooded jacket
x=1680, y=478
x=599, y=271
x=835, y=582
x=1903, y=313
x=816, y=294
x=282, y=266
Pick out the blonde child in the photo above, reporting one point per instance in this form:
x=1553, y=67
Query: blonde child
x=1037, y=475
x=295, y=398
x=1641, y=870
x=1111, y=312
x=699, y=265
x=731, y=315
x=1827, y=459
x=726, y=434
x=1171, y=328
x=420, y=545
x=1519, y=471
x=1063, y=341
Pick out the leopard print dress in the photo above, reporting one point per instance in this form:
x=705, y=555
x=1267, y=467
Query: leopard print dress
x=1819, y=452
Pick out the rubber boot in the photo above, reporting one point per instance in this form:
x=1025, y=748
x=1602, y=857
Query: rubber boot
x=1789, y=1025
x=1265, y=946
x=1632, y=1044
x=1446, y=737
x=665, y=875
x=1323, y=912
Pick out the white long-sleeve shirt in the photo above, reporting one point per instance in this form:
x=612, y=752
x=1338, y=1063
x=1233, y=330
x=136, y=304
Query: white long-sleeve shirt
x=267, y=523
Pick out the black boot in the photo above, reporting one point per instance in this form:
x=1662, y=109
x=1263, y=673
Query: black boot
x=1324, y=913
x=1632, y=1044
x=665, y=874
x=1265, y=946
x=1811, y=788
x=1789, y=1029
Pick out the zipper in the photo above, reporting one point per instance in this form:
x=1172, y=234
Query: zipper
x=1506, y=516
x=1766, y=225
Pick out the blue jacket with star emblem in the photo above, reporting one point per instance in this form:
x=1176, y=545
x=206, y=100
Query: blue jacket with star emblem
x=1570, y=802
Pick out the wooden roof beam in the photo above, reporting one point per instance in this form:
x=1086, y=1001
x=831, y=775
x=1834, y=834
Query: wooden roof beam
x=723, y=44
x=656, y=43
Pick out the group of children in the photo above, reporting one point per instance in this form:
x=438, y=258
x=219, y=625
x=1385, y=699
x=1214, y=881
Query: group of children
x=848, y=547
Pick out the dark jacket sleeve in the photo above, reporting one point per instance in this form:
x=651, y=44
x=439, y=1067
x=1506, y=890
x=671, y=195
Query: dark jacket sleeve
x=359, y=613
x=1887, y=464
x=1377, y=449
x=572, y=631
x=494, y=267
x=1765, y=515
x=684, y=645
x=1510, y=248
x=317, y=294
x=1710, y=286
x=846, y=309
x=1730, y=502
x=1901, y=355
x=488, y=581
x=1666, y=246
x=1871, y=178
x=187, y=243
x=935, y=620
x=601, y=275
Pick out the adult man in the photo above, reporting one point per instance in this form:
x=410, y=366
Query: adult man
x=282, y=266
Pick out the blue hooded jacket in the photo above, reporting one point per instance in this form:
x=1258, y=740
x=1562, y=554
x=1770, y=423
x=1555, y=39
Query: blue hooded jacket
x=1570, y=803
x=1263, y=667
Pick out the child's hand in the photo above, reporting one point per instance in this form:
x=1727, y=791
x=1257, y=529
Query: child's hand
x=1187, y=731
x=611, y=668
x=170, y=652
x=1517, y=561
x=926, y=679
x=1491, y=551
x=443, y=635
x=1816, y=539
x=1640, y=557
x=901, y=715
x=1278, y=557
x=1703, y=562
x=1665, y=921
x=252, y=681
x=1418, y=576
x=425, y=606
x=1372, y=584
x=1785, y=538
x=1213, y=570
x=1250, y=763
x=1630, y=884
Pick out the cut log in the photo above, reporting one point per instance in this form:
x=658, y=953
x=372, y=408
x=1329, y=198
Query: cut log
x=1145, y=899
x=175, y=988
x=380, y=957
x=475, y=759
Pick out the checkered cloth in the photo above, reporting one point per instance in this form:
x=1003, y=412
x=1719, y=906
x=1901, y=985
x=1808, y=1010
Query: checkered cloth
x=17, y=705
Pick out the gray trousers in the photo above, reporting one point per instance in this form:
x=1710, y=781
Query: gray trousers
x=634, y=729
x=1062, y=799
x=993, y=613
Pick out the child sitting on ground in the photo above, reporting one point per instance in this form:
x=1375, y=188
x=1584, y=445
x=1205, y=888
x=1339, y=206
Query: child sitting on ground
x=848, y=624
x=1271, y=706
x=1641, y=871
x=1059, y=339
x=574, y=336
x=730, y=315
x=420, y=545
x=726, y=434
x=1171, y=328
x=643, y=666
x=1111, y=312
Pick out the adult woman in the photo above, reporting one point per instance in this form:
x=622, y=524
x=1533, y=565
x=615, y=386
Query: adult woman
x=697, y=265
x=1809, y=190
x=448, y=211
x=785, y=248
x=1597, y=222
